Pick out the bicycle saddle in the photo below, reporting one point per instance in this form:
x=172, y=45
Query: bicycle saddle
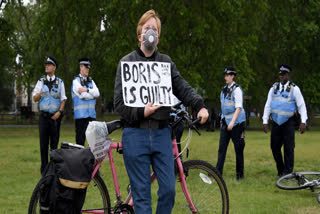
x=113, y=125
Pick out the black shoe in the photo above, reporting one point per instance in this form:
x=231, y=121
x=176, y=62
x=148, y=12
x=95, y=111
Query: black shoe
x=239, y=177
x=279, y=175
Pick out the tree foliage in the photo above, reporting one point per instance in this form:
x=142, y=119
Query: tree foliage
x=202, y=38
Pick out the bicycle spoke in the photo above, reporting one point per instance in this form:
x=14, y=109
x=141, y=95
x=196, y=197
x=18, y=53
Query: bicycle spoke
x=206, y=189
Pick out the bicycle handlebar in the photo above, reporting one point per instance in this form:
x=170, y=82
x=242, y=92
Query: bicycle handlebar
x=182, y=114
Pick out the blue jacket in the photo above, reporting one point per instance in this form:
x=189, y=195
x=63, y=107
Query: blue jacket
x=283, y=104
x=83, y=108
x=228, y=106
x=50, y=100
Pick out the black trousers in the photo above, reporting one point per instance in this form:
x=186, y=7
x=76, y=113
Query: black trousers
x=237, y=136
x=283, y=135
x=49, y=131
x=81, y=127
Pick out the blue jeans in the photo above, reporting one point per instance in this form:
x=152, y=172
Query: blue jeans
x=142, y=148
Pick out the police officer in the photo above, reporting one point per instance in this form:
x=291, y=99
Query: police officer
x=51, y=93
x=283, y=100
x=232, y=122
x=84, y=92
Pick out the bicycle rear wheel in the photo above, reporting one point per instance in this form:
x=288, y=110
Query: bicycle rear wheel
x=97, y=198
x=297, y=180
x=206, y=188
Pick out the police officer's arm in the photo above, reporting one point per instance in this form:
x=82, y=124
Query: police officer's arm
x=234, y=118
x=80, y=91
x=37, y=91
x=36, y=97
x=94, y=91
x=301, y=108
x=63, y=98
x=238, y=98
x=267, y=111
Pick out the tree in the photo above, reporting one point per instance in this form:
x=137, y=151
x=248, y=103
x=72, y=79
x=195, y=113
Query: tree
x=6, y=66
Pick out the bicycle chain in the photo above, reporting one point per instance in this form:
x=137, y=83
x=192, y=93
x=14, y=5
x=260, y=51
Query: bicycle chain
x=124, y=208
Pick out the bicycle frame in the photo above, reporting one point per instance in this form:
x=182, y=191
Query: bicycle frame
x=129, y=200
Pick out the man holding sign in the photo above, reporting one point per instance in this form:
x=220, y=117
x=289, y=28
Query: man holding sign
x=145, y=83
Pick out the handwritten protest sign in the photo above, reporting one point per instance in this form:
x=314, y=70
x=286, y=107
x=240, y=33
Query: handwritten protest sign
x=143, y=82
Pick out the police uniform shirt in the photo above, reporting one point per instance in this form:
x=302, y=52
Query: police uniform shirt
x=301, y=106
x=40, y=83
x=93, y=92
x=237, y=93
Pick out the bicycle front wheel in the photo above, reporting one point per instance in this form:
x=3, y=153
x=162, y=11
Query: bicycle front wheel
x=297, y=180
x=206, y=188
x=97, y=198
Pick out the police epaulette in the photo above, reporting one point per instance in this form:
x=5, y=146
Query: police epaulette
x=276, y=87
x=291, y=83
x=235, y=85
x=289, y=86
x=43, y=77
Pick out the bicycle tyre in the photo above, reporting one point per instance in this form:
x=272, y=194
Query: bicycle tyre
x=96, y=186
x=206, y=188
x=297, y=180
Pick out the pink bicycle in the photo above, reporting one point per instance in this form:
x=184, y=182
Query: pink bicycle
x=202, y=188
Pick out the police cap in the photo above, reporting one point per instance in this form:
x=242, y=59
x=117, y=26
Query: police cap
x=230, y=70
x=51, y=60
x=85, y=61
x=283, y=68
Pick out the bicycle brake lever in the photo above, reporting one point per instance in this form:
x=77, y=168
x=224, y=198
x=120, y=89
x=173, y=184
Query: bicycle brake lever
x=192, y=125
x=195, y=121
x=195, y=128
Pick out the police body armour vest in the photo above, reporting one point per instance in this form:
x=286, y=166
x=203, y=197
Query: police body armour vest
x=83, y=108
x=283, y=104
x=50, y=96
x=228, y=105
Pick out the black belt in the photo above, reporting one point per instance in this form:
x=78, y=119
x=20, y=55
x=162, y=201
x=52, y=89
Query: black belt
x=153, y=124
x=45, y=114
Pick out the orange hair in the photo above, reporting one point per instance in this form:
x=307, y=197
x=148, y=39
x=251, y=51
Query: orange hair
x=145, y=17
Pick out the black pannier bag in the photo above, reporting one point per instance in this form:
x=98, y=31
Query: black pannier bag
x=64, y=181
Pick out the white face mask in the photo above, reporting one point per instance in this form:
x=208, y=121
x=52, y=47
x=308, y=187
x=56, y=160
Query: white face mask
x=150, y=39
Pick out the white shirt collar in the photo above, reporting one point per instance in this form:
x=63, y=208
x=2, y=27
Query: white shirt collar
x=229, y=86
x=85, y=78
x=285, y=85
x=52, y=78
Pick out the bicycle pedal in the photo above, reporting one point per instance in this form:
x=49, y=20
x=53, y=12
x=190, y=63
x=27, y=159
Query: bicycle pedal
x=120, y=151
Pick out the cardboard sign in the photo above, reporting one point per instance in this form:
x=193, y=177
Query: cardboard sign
x=143, y=82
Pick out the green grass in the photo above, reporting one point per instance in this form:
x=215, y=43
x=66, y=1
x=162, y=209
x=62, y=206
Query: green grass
x=257, y=193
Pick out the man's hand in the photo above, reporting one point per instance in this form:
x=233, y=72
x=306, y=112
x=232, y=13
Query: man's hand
x=82, y=89
x=56, y=115
x=149, y=109
x=302, y=128
x=203, y=113
x=37, y=97
x=230, y=126
x=265, y=128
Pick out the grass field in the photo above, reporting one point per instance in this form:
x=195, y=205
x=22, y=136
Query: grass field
x=257, y=193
